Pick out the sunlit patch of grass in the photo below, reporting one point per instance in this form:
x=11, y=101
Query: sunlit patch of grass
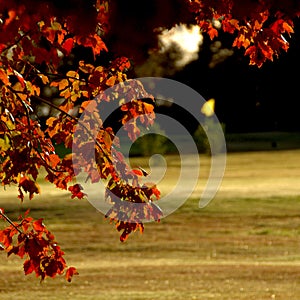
x=243, y=245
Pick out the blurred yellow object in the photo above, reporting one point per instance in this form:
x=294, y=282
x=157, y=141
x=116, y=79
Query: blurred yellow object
x=208, y=108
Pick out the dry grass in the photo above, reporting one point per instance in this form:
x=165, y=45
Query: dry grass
x=244, y=245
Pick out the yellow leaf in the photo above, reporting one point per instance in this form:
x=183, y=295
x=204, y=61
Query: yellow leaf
x=67, y=106
x=4, y=143
x=74, y=97
x=41, y=24
x=76, y=85
x=99, y=69
x=208, y=108
x=8, y=122
x=56, y=26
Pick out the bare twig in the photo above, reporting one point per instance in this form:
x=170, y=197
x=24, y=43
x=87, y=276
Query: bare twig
x=7, y=219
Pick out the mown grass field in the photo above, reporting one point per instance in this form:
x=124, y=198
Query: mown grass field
x=244, y=245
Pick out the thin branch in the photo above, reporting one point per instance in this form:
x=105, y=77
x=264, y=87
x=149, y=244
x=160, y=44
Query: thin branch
x=43, y=100
x=7, y=219
x=74, y=119
x=38, y=72
x=48, y=168
x=15, y=43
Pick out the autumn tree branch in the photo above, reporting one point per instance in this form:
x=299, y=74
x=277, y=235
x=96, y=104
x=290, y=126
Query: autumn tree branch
x=78, y=121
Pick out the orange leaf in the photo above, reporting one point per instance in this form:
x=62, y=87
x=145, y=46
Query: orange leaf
x=63, y=84
x=148, y=107
x=38, y=225
x=54, y=159
x=50, y=121
x=107, y=140
x=4, y=77
x=287, y=28
x=44, y=78
x=137, y=172
x=111, y=81
x=212, y=32
x=89, y=106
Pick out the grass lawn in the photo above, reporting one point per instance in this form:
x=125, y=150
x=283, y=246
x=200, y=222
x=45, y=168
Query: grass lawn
x=244, y=245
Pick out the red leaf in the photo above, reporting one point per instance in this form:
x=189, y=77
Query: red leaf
x=28, y=185
x=137, y=172
x=76, y=191
x=28, y=267
x=68, y=45
x=124, y=236
x=156, y=192
x=33, y=247
x=5, y=237
x=71, y=271
x=51, y=266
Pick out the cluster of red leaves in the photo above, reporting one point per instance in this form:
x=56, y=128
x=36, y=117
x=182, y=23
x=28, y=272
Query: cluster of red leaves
x=31, y=240
x=35, y=37
x=123, y=184
x=137, y=110
x=132, y=202
x=42, y=28
x=259, y=26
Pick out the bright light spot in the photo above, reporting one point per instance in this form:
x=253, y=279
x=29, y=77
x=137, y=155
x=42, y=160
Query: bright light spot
x=216, y=23
x=187, y=39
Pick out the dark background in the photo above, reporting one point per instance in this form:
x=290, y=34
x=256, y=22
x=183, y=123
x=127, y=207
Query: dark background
x=248, y=98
